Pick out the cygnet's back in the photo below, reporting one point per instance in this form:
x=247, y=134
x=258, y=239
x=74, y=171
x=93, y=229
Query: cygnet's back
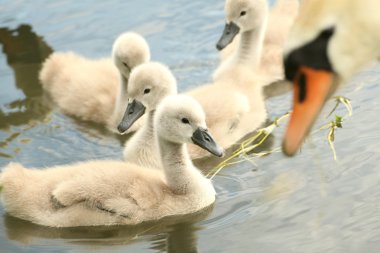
x=94, y=90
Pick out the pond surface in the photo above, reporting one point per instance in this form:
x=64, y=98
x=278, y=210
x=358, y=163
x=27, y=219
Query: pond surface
x=309, y=203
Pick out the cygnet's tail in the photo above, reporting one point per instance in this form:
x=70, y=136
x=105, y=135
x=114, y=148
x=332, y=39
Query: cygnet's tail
x=15, y=191
x=22, y=195
x=12, y=176
x=53, y=66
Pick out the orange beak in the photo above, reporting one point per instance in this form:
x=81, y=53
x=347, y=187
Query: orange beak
x=311, y=90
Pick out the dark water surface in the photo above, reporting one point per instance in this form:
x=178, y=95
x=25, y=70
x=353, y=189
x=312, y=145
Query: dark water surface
x=309, y=203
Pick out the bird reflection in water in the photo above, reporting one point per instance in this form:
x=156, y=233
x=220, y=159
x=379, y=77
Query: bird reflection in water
x=172, y=235
x=25, y=52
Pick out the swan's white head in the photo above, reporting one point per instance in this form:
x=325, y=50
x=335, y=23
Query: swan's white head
x=148, y=85
x=242, y=16
x=314, y=17
x=130, y=50
x=151, y=82
x=329, y=41
x=181, y=119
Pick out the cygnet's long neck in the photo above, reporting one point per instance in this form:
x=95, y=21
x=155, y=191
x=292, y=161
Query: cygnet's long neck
x=121, y=101
x=181, y=175
x=148, y=129
x=251, y=45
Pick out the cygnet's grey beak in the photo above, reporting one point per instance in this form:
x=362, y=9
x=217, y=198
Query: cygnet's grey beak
x=203, y=139
x=134, y=111
x=229, y=33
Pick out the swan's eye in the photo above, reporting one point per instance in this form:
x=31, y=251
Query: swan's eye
x=185, y=121
x=146, y=91
x=243, y=13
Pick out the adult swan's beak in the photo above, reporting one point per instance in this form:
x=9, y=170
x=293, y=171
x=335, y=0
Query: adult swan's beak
x=311, y=90
x=310, y=70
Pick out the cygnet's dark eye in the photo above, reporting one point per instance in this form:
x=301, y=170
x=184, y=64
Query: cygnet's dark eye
x=125, y=64
x=146, y=91
x=243, y=13
x=185, y=121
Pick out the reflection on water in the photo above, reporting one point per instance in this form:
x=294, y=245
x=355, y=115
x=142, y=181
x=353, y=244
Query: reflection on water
x=176, y=234
x=182, y=238
x=25, y=51
x=179, y=238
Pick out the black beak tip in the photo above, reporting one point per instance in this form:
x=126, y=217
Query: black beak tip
x=219, y=46
x=217, y=150
x=202, y=138
x=121, y=128
x=286, y=152
x=221, y=153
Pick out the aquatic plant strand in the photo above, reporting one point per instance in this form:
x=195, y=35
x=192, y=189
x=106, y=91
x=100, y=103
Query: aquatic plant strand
x=262, y=134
